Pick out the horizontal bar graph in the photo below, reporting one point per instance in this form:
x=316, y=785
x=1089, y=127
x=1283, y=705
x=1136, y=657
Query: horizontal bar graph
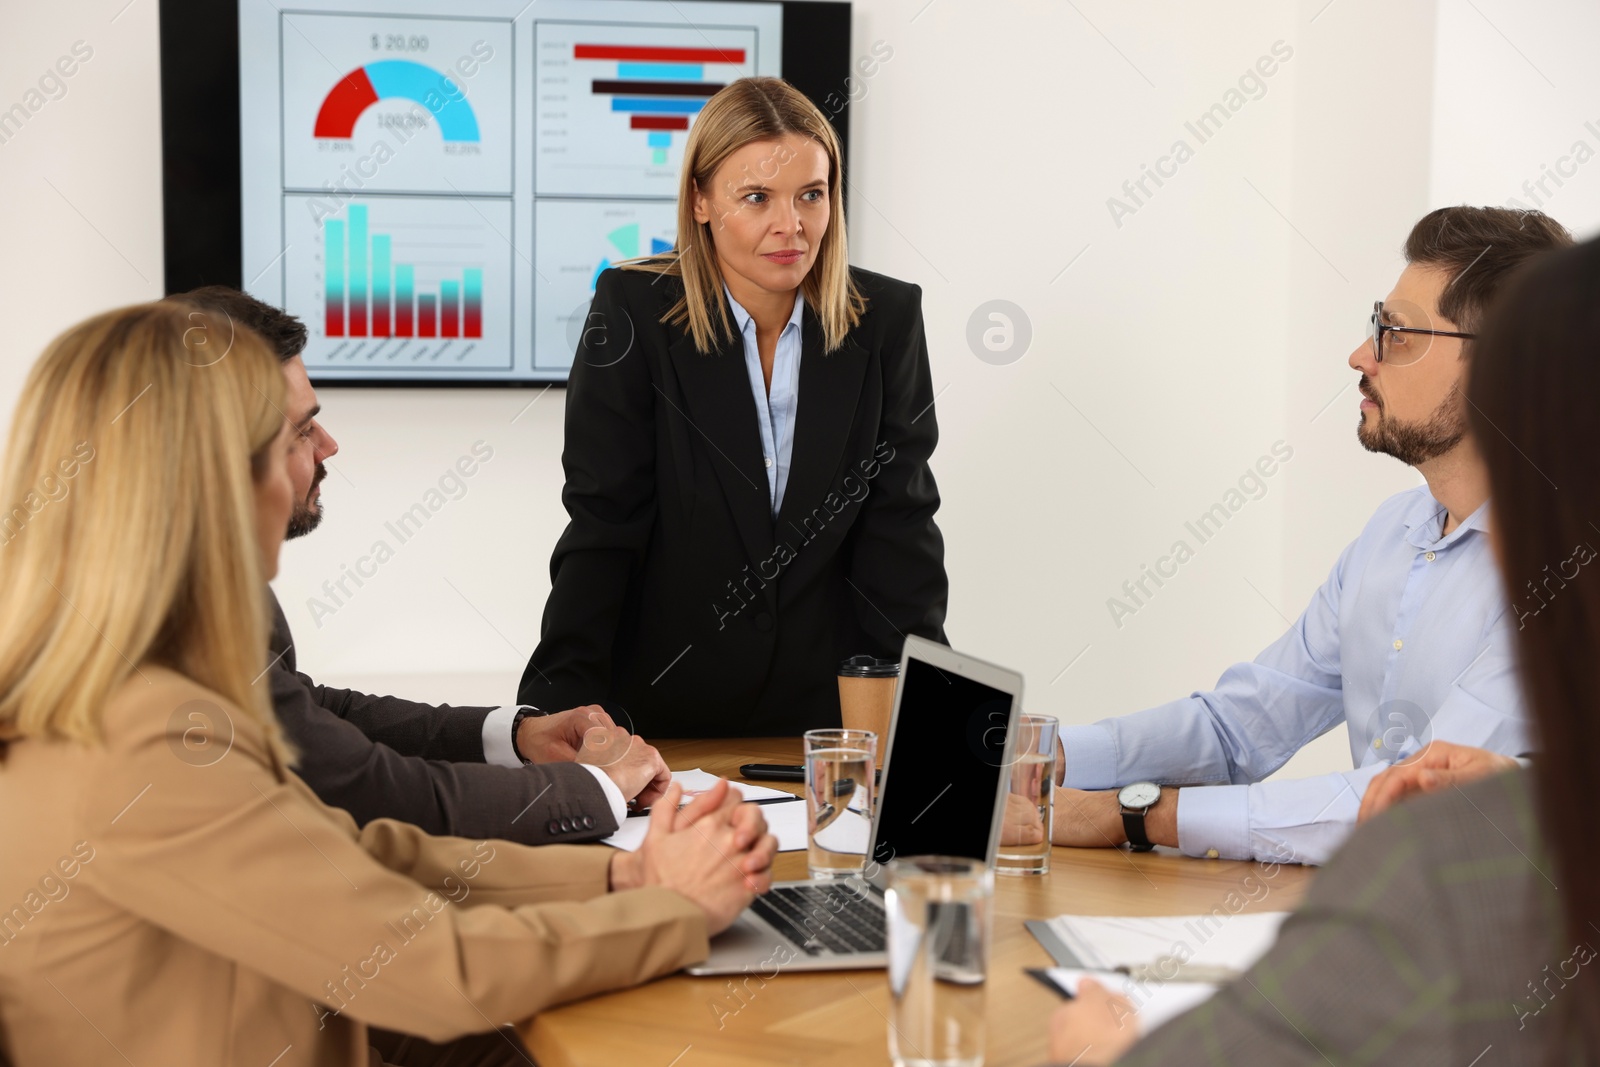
x=367, y=294
x=658, y=87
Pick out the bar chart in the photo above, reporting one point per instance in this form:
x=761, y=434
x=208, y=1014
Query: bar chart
x=357, y=301
x=413, y=281
x=616, y=100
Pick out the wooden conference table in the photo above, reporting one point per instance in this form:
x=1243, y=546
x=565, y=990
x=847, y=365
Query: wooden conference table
x=839, y=1018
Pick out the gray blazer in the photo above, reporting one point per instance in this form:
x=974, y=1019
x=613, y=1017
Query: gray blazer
x=383, y=757
x=1434, y=937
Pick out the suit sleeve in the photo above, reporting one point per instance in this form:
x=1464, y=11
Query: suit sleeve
x=897, y=559
x=433, y=731
x=1368, y=968
x=610, y=497
x=536, y=804
x=457, y=932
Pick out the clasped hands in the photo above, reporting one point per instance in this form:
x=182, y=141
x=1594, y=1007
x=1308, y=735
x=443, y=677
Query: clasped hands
x=588, y=735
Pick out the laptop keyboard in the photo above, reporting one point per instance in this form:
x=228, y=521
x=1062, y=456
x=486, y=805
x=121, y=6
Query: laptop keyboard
x=845, y=918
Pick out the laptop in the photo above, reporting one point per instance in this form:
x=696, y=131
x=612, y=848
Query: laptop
x=951, y=737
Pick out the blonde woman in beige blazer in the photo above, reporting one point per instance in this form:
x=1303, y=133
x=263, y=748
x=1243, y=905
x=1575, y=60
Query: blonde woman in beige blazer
x=169, y=893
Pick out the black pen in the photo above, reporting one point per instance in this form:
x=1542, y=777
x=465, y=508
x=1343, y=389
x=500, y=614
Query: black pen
x=763, y=800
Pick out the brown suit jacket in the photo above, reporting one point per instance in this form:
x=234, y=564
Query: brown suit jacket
x=171, y=897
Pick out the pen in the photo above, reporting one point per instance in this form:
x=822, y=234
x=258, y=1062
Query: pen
x=1168, y=969
x=763, y=800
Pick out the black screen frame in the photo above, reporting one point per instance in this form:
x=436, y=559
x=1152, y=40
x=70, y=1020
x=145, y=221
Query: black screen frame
x=202, y=236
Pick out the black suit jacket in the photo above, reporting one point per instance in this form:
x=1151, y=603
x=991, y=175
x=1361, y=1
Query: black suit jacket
x=383, y=757
x=677, y=600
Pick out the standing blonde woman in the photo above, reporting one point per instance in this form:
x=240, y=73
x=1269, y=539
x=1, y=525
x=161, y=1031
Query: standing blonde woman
x=169, y=893
x=749, y=421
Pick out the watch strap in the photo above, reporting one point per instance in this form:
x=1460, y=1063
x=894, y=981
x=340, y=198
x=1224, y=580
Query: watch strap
x=516, y=724
x=1133, y=826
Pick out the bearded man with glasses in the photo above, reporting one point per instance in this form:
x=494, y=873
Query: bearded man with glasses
x=1407, y=642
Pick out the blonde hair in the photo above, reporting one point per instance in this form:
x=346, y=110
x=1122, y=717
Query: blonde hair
x=744, y=112
x=129, y=534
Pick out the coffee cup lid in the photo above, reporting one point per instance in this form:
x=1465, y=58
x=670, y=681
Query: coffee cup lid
x=869, y=667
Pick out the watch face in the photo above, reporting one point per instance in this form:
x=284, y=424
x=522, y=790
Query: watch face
x=1139, y=795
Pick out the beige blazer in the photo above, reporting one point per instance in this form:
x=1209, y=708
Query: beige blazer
x=172, y=898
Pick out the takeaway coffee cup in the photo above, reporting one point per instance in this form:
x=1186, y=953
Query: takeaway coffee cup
x=866, y=696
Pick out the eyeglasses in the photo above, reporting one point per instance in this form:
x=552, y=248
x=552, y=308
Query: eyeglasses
x=1386, y=349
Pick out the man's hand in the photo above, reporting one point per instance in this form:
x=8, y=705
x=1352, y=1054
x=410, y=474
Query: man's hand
x=715, y=851
x=1093, y=1028
x=1436, y=767
x=558, y=738
x=1021, y=825
x=636, y=767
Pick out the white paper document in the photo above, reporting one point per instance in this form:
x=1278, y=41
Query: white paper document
x=785, y=820
x=1220, y=939
x=1157, y=1002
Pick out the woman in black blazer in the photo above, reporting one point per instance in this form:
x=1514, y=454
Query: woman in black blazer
x=725, y=552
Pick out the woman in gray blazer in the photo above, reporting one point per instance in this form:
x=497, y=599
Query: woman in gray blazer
x=1460, y=929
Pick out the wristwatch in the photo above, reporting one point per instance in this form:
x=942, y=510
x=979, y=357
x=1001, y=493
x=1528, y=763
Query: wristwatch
x=1136, y=800
x=524, y=712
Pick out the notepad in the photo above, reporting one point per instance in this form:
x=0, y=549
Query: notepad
x=1109, y=942
x=785, y=820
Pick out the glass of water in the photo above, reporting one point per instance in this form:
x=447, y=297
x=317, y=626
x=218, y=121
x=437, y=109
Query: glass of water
x=839, y=791
x=938, y=914
x=1030, y=800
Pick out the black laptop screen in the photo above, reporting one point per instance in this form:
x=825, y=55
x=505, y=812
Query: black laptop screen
x=944, y=769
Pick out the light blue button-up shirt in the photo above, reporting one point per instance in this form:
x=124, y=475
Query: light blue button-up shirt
x=775, y=409
x=1409, y=639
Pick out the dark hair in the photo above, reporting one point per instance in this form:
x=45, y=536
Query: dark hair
x=1534, y=388
x=1479, y=247
x=284, y=334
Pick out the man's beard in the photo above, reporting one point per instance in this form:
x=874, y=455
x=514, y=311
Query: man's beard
x=1414, y=442
x=307, y=513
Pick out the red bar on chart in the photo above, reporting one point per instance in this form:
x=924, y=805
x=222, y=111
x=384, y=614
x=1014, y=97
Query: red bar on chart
x=425, y=315
x=659, y=122
x=472, y=302
x=449, y=308
x=649, y=54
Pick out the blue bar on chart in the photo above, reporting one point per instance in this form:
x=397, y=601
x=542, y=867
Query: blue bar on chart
x=380, y=285
x=472, y=302
x=402, y=300
x=642, y=106
x=358, y=270
x=449, y=308
x=333, y=278
x=688, y=72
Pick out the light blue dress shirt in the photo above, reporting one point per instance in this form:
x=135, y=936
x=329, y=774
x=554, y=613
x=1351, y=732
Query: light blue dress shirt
x=1409, y=639
x=775, y=409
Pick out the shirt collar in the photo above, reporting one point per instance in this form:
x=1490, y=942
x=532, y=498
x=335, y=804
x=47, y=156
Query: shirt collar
x=1425, y=518
x=743, y=318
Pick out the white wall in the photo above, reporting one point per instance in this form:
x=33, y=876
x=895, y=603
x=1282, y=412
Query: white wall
x=1175, y=350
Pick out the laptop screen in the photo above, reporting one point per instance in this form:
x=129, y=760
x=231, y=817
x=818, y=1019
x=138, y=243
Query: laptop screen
x=946, y=762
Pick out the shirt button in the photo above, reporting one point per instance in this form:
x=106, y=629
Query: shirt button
x=1212, y=854
x=553, y=826
x=1429, y=557
x=588, y=822
x=769, y=461
x=1397, y=644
